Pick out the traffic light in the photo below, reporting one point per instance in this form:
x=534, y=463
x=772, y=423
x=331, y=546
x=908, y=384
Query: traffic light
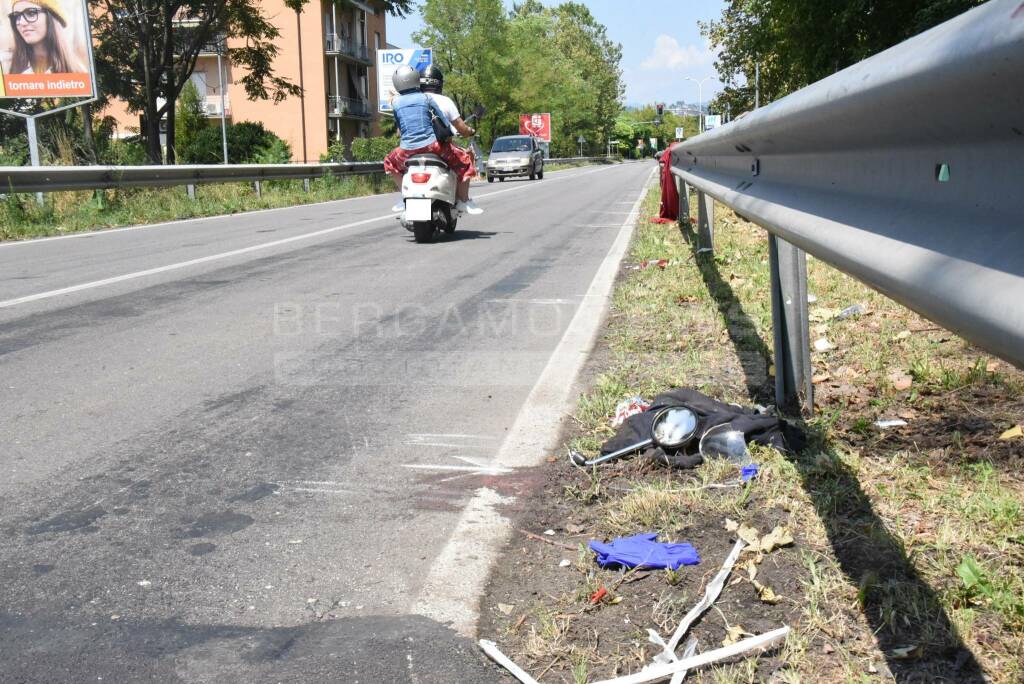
x=661, y=111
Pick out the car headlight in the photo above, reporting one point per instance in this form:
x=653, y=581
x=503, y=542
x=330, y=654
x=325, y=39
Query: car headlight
x=524, y=160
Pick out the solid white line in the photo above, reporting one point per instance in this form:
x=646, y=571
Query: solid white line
x=224, y=255
x=452, y=589
x=184, y=264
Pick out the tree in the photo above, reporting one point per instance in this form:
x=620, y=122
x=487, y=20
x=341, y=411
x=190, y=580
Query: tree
x=190, y=118
x=147, y=49
x=470, y=43
x=798, y=42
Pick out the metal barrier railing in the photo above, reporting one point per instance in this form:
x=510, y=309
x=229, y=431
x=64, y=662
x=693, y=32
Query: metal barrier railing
x=902, y=170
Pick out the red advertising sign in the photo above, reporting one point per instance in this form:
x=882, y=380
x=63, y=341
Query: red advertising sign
x=538, y=125
x=45, y=49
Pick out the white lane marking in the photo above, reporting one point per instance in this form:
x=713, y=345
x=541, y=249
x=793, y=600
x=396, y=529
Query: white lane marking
x=444, y=435
x=531, y=301
x=485, y=470
x=441, y=444
x=224, y=255
x=184, y=264
x=452, y=589
x=218, y=217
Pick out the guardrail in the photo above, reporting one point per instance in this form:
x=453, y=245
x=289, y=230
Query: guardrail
x=15, y=179
x=904, y=171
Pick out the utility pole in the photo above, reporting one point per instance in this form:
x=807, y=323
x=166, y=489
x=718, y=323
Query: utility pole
x=757, y=85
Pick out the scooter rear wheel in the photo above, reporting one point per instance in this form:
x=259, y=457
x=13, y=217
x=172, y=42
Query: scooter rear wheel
x=423, y=231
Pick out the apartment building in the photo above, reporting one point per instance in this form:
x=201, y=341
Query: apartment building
x=329, y=50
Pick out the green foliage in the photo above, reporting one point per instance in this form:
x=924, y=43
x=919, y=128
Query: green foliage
x=190, y=119
x=248, y=142
x=798, y=42
x=371, y=149
x=533, y=59
x=124, y=153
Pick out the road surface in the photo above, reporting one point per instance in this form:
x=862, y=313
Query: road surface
x=232, y=448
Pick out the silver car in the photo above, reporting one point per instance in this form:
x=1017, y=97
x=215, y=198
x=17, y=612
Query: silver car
x=515, y=155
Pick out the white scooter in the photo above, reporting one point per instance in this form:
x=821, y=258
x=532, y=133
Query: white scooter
x=429, y=191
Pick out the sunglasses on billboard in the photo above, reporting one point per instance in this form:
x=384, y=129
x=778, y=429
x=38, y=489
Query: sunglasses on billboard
x=29, y=15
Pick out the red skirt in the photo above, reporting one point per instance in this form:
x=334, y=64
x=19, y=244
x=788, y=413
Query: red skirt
x=458, y=159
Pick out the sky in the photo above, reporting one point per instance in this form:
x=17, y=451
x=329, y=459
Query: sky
x=661, y=44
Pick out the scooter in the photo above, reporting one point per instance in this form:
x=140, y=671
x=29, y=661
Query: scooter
x=429, y=190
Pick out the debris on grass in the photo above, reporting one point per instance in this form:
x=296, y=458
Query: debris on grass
x=1015, y=432
x=890, y=423
x=492, y=650
x=644, y=551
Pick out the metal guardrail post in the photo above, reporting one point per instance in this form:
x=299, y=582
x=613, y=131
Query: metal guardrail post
x=793, y=386
x=305, y=184
x=191, y=190
x=258, y=187
x=684, y=202
x=705, y=220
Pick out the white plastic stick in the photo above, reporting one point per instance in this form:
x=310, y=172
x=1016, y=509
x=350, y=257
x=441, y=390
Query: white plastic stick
x=655, y=672
x=492, y=650
x=711, y=593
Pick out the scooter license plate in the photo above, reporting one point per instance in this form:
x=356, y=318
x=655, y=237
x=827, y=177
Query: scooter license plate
x=417, y=209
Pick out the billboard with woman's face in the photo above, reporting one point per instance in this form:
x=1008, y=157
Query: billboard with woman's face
x=45, y=49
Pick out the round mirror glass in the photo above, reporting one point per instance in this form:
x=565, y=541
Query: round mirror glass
x=674, y=426
x=724, y=442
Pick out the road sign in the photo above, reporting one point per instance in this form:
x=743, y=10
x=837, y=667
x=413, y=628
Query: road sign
x=581, y=139
x=680, y=133
x=388, y=61
x=654, y=143
x=538, y=125
x=67, y=66
x=712, y=121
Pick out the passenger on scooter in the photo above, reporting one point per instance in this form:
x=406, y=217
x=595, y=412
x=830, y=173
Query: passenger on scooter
x=432, y=83
x=412, y=115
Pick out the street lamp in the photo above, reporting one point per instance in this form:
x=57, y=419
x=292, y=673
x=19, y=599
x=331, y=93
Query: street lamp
x=700, y=97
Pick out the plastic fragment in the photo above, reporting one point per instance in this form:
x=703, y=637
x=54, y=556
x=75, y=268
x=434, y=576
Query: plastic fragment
x=749, y=472
x=850, y=311
x=892, y=422
x=660, y=671
x=629, y=407
x=495, y=654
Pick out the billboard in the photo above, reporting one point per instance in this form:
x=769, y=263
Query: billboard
x=538, y=125
x=45, y=49
x=388, y=61
x=712, y=121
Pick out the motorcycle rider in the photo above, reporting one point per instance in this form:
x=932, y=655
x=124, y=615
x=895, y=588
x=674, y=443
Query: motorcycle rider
x=432, y=83
x=412, y=111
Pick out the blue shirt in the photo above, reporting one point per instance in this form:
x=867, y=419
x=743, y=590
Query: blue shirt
x=412, y=114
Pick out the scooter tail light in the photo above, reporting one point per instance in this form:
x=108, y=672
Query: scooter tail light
x=420, y=177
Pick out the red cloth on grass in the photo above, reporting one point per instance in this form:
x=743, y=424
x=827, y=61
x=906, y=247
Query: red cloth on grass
x=669, y=193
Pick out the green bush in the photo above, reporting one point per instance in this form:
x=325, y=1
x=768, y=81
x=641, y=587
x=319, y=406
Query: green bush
x=189, y=118
x=372, y=149
x=124, y=153
x=248, y=141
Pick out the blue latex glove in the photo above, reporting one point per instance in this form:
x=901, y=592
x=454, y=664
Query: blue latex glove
x=642, y=550
x=749, y=472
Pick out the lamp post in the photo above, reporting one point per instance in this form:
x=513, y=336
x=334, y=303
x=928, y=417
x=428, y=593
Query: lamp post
x=700, y=98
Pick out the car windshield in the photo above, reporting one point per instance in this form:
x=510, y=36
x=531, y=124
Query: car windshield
x=511, y=145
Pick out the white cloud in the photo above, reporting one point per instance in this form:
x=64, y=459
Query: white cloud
x=669, y=54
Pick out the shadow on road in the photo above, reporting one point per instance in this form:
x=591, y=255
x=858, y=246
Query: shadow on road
x=900, y=606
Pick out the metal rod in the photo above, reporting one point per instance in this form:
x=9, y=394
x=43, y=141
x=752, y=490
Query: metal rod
x=580, y=461
x=33, y=149
x=223, y=106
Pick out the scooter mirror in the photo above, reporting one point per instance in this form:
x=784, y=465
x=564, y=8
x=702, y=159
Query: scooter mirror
x=724, y=442
x=673, y=427
x=479, y=111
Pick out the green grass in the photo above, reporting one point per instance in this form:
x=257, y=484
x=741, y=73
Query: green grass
x=906, y=538
x=69, y=212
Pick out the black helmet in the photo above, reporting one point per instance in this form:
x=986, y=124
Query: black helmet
x=406, y=79
x=432, y=80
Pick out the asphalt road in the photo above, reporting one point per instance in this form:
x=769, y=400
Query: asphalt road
x=232, y=448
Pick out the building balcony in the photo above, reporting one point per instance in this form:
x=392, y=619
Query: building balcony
x=351, y=107
x=339, y=45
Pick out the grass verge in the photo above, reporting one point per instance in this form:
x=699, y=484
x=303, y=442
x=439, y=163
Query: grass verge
x=907, y=561
x=69, y=212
